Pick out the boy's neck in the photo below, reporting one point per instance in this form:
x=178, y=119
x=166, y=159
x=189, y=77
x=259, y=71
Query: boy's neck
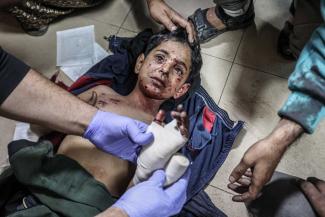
x=148, y=105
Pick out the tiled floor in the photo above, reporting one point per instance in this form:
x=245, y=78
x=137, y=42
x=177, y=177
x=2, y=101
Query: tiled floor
x=242, y=72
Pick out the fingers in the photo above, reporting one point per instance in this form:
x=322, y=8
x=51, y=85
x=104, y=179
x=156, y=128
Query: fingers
x=182, y=120
x=239, y=189
x=254, y=184
x=238, y=172
x=315, y=197
x=310, y=190
x=181, y=21
x=161, y=13
x=319, y=184
x=160, y=117
x=174, y=20
x=167, y=22
x=137, y=133
x=167, y=16
x=248, y=173
x=191, y=32
x=250, y=194
x=241, y=198
x=158, y=178
x=244, y=181
x=259, y=177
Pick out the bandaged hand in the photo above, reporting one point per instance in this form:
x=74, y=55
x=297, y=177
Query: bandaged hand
x=118, y=135
x=161, y=153
x=149, y=198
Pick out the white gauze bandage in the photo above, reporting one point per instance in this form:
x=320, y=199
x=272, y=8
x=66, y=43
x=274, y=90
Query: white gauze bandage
x=175, y=168
x=167, y=141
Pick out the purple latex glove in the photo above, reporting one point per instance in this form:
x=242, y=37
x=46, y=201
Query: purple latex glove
x=118, y=135
x=149, y=198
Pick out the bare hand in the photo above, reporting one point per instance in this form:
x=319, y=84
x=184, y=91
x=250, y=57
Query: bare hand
x=181, y=117
x=314, y=190
x=260, y=160
x=182, y=120
x=165, y=15
x=255, y=170
x=160, y=117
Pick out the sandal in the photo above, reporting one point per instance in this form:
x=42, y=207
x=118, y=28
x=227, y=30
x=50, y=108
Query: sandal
x=205, y=31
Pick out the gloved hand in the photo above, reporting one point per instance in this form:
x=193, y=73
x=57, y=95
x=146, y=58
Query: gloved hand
x=149, y=199
x=118, y=135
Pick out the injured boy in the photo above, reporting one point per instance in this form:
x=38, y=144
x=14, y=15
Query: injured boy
x=81, y=180
x=165, y=70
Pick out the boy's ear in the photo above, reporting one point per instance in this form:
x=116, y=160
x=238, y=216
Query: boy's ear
x=139, y=63
x=182, y=90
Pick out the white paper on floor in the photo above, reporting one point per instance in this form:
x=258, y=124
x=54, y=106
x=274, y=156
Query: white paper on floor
x=23, y=131
x=74, y=72
x=75, y=47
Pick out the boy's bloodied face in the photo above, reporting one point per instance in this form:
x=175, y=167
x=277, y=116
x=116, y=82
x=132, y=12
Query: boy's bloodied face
x=163, y=72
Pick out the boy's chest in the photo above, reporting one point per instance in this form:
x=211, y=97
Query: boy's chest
x=120, y=106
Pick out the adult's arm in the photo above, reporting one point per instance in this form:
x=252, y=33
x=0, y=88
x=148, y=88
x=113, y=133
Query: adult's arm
x=302, y=112
x=37, y=100
x=28, y=96
x=262, y=158
x=306, y=103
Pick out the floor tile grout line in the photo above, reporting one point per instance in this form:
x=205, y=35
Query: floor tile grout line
x=260, y=70
x=125, y=17
x=233, y=62
x=100, y=21
x=217, y=57
x=224, y=86
x=221, y=189
x=244, y=65
x=123, y=28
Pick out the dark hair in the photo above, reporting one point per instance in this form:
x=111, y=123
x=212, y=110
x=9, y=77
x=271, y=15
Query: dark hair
x=180, y=35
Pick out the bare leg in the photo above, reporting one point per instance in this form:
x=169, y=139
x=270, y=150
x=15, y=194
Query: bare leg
x=214, y=20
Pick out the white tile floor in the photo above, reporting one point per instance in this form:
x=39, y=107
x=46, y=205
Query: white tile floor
x=242, y=72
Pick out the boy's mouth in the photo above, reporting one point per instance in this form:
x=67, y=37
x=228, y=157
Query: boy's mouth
x=158, y=82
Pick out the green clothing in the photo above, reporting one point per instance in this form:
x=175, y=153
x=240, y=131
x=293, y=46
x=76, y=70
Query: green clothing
x=63, y=187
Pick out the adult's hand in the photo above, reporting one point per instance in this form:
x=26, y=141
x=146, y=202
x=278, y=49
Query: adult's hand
x=260, y=160
x=118, y=135
x=149, y=198
x=165, y=15
x=314, y=189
